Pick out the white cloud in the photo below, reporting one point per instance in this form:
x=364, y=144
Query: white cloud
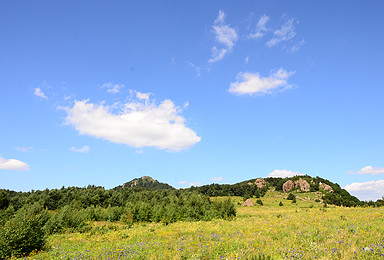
x=246, y=60
x=84, y=149
x=225, y=35
x=371, y=170
x=13, y=165
x=371, y=190
x=283, y=173
x=285, y=33
x=194, y=183
x=143, y=96
x=139, y=151
x=137, y=123
x=182, y=182
x=252, y=83
x=260, y=28
x=38, y=92
x=217, y=178
x=23, y=149
x=112, y=87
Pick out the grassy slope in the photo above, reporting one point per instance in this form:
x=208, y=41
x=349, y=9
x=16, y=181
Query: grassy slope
x=293, y=230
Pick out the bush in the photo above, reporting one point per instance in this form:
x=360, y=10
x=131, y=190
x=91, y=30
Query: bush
x=23, y=233
x=291, y=196
x=66, y=218
x=259, y=202
x=281, y=204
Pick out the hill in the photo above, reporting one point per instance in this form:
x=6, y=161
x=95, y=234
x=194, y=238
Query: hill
x=325, y=190
x=145, y=182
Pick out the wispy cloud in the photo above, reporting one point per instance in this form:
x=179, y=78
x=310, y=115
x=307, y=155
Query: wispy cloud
x=13, y=165
x=139, y=123
x=261, y=28
x=216, y=178
x=369, y=170
x=84, y=149
x=285, y=33
x=225, y=35
x=194, y=183
x=112, y=88
x=23, y=149
x=196, y=68
x=284, y=173
x=38, y=92
x=254, y=84
x=297, y=46
x=371, y=190
x=182, y=182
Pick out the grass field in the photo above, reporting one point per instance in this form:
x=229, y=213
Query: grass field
x=304, y=230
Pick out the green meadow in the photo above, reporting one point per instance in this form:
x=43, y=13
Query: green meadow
x=302, y=230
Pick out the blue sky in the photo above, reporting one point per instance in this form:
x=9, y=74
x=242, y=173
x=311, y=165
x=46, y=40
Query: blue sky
x=190, y=93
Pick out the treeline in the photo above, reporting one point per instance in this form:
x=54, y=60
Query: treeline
x=239, y=189
x=27, y=217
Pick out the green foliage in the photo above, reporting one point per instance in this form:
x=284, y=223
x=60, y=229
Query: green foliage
x=281, y=204
x=291, y=196
x=66, y=218
x=23, y=233
x=260, y=202
x=4, y=200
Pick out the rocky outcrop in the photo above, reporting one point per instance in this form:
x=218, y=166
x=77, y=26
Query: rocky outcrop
x=248, y=203
x=302, y=184
x=288, y=186
x=260, y=183
x=326, y=187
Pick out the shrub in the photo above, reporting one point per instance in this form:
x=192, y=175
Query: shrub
x=23, y=233
x=291, y=196
x=281, y=204
x=66, y=218
x=259, y=202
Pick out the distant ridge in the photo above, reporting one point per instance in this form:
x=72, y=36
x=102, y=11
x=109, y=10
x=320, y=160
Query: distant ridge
x=145, y=182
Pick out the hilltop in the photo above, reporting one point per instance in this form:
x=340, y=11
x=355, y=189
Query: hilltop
x=325, y=190
x=145, y=182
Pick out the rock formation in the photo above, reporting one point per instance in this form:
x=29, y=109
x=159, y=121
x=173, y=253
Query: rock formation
x=248, y=203
x=302, y=184
x=260, y=183
x=326, y=187
x=287, y=186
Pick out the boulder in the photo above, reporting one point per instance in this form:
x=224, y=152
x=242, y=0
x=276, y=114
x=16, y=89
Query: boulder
x=248, y=203
x=326, y=187
x=287, y=186
x=302, y=184
x=260, y=183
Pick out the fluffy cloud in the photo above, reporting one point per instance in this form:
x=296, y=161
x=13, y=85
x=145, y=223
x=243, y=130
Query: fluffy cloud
x=283, y=173
x=371, y=170
x=112, y=87
x=253, y=83
x=217, y=179
x=38, y=92
x=84, y=149
x=285, y=33
x=139, y=123
x=13, y=165
x=371, y=190
x=225, y=35
x=260, y=28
